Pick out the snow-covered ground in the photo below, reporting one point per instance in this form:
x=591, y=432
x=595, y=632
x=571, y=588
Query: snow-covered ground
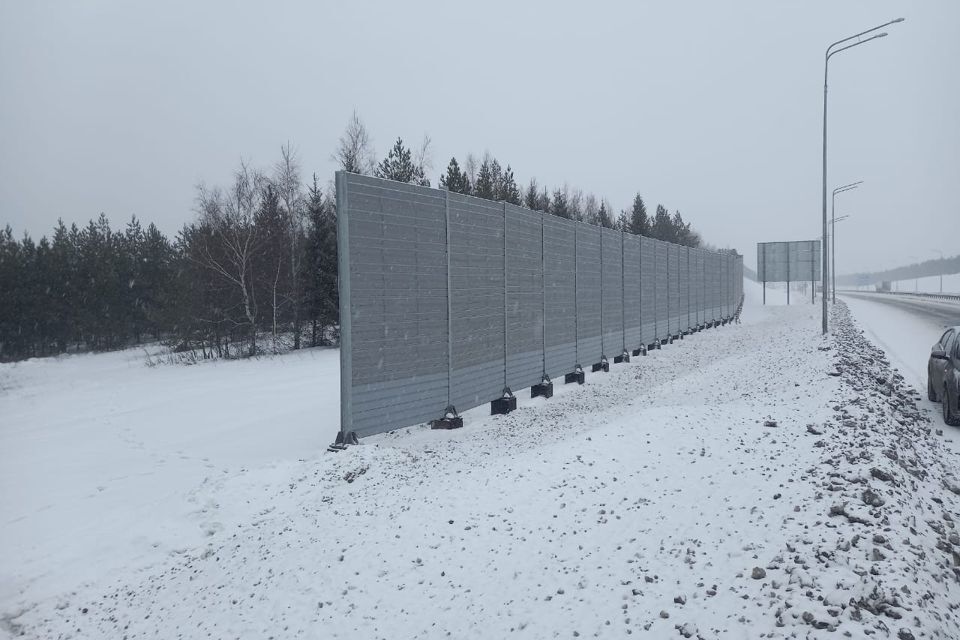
x=103, y=459
x=751, y=481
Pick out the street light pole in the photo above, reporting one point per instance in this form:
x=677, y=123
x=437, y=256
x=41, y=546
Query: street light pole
x=833, y=235
x=826, y=68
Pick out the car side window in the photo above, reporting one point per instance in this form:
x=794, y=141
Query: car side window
x=945, y=340
x=949, y=341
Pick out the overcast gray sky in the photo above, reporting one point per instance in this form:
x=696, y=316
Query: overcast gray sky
x=712, y=108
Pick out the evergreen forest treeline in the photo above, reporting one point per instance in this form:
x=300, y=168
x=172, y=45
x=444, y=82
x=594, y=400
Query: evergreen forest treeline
x=254, y=272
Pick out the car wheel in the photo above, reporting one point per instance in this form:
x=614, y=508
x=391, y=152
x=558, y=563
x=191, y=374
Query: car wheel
x=931, y=392
x=948, y=417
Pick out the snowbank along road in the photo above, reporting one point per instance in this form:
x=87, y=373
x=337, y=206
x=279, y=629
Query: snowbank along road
x=753, y=481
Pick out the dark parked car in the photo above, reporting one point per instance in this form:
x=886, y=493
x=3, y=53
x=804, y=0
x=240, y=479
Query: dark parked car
x=943, y=375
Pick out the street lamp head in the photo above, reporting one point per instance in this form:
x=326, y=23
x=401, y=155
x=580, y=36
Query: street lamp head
x=881, y=35
x=897, y=20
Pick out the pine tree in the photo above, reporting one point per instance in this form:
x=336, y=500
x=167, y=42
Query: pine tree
x=484, y=185
x=662, y=227
x=590, y=208
x=543, y=201
x=531, y=196
x=559, y=206
x=509, y=192
x=639, y=224
x=623, y=221
x=455, y=180
x=398, y=165
x=322, y=300
x=496, y=180
x=603, y=215
x=575, y=205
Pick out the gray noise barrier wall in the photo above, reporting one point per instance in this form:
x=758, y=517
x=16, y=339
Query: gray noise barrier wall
x=684, y=283
x=611, y=308
x=633, y=327
x=673, y=288
x=662, y=280
x=560, y=295
x=447, y=301
x=648, y=290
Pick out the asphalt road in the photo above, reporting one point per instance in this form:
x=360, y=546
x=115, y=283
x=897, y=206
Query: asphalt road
x=944, y=314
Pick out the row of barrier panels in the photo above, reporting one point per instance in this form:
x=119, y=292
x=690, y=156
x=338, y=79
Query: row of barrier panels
x=449, y=301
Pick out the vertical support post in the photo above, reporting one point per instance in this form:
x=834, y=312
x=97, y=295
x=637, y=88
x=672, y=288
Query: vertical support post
x=343, y=287
x=602, y=349
x=576, y=297
x=668, y=292
x=505, y=385
x=823, y=292
x=623, y=297
x=543, y=292
x=689, y=288
x=446, y=214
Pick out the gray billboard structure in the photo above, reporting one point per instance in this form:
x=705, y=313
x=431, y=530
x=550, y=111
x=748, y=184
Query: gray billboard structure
x=796, y=261
x=448, y=301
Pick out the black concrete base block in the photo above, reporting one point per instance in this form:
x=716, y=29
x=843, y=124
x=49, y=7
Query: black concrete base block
x=601, y=366
x=637, y=352
x=503, y=405
x=447, y=423
x=621, y=358
x=544, y=389
x=578, y=376
x=342, y=440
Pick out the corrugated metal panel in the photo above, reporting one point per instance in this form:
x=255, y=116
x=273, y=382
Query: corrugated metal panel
x=673, y=295
x=715, y=286
x=632, y=291
x=476, y=301
x=559, y=279
x=398, y=351
x=589, y=348
x=710, y=272
x=524, y=297
x=684, y=280
x=704, y=287
x=696, y=278
x=663, y=289
x=648, y=291
x=611, y=306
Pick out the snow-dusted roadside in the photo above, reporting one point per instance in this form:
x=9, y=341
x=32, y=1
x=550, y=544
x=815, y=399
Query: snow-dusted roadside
x=719, y=488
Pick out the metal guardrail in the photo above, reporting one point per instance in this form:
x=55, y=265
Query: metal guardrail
x=949, y=297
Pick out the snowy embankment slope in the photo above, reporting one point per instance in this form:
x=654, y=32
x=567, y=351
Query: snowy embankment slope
x=906, y=333
x=643, y=502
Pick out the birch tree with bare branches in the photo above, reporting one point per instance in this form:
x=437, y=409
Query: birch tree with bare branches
x=290, y=190
x=354, y=151
x=231, y=218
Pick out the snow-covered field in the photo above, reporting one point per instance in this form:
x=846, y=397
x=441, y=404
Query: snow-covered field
x=752, y=481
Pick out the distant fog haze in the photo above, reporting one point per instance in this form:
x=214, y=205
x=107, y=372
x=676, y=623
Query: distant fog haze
x=712, y=109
